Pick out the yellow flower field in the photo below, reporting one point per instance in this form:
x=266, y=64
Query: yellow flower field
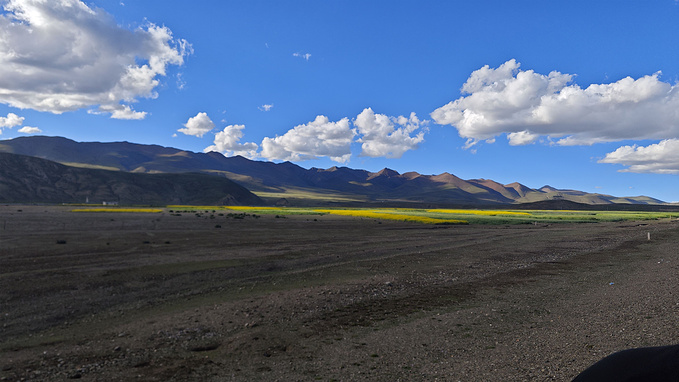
x=480, y=212
x=387, y=215
x=415, y=215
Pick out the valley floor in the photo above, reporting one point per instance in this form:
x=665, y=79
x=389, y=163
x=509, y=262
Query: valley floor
x=210, y=297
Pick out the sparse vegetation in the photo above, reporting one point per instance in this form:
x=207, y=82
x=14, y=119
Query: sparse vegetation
x=479, y=212
x=443, y=216
x=112, y=209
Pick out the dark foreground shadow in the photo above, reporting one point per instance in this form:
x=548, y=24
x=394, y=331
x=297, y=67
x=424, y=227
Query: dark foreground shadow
x=657, y=364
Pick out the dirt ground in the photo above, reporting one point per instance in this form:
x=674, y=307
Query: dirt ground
x=209, y=297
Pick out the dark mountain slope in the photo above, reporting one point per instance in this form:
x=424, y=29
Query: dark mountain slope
x=25, y=179
x=132, y=157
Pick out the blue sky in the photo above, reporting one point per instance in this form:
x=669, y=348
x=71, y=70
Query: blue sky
x=573, y=94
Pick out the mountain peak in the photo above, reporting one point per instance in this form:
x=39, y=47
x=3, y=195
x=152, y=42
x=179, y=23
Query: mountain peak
x=411, y=175
x=519, y=188
x=446, y=177
x=386, y=172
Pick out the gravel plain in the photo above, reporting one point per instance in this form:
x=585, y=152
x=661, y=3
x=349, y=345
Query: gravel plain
x=208, y=297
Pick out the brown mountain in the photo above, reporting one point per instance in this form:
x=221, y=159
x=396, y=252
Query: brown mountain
x=289, y=183
x=25, y=179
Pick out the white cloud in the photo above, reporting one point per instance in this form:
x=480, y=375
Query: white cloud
x=30, y=130
x=379, y=135
x=319, y=138
x=198, y=125
x=660, y=158
x=11, y=120
x=59, y=56
x=526, y=105
x=305, y=56
x=266, y=107
x=228, y=143
x=520, y=138
x=382, y=138
x=181, y=84
x=119, y=112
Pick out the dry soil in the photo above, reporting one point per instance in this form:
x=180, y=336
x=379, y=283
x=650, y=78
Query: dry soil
x=210, y=297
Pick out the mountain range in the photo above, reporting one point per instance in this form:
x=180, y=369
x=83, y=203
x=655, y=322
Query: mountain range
x=285, y=183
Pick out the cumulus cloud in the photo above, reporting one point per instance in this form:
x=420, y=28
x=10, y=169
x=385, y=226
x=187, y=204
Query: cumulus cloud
x=11, y=120
x=198, y=125
x=660, y=158
x=265, y=107
x=30, y=130
x=228, y=143
x=526, y=105
x=59, y=56
x=319, y=138
x=384, y=136
x=379, y=135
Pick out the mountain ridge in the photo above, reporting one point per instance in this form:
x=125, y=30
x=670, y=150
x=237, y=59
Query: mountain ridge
x=287, y=182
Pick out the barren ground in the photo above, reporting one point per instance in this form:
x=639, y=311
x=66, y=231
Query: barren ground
x=158, y=297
